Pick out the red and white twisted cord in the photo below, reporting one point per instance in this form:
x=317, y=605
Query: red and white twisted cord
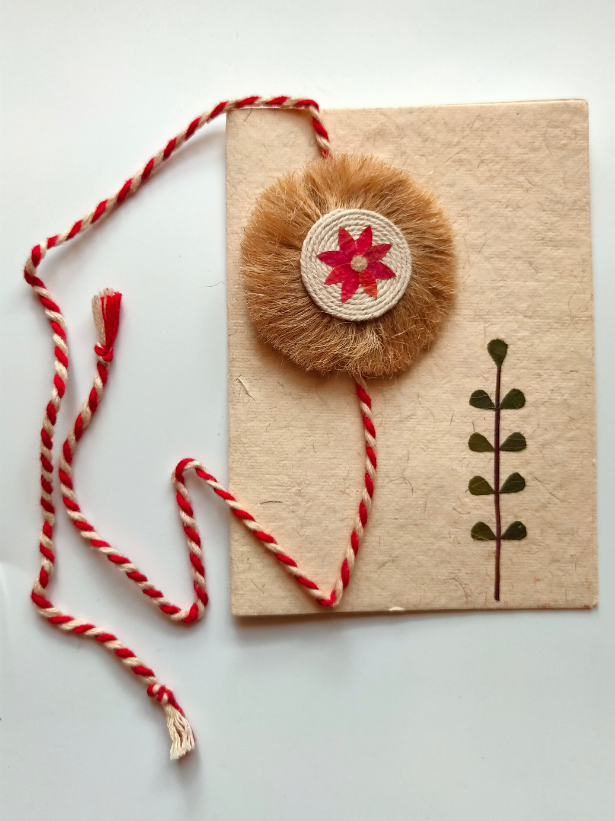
x=106, y=313
x=181, y=733
x=193, y=540
x=110, y=302
x=333, y=598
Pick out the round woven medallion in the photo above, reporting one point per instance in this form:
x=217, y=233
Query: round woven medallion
x=355, y=264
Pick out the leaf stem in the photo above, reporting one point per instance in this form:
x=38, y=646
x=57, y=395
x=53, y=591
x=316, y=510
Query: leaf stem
x=496, y=483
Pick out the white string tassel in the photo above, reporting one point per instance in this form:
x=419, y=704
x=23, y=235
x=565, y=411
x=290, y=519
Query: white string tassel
x=182, y=737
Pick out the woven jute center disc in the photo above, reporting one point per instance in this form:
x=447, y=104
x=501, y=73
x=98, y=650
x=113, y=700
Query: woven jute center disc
x=359, y=266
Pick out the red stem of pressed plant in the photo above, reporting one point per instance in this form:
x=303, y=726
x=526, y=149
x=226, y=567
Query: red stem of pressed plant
x=496, y=485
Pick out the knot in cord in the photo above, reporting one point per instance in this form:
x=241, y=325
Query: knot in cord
x=104, y=352
x=163, y=695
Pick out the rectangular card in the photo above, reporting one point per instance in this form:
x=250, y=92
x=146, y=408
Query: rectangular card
x=514, y=180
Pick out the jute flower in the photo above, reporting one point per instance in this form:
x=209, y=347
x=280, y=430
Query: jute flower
x=285, y=314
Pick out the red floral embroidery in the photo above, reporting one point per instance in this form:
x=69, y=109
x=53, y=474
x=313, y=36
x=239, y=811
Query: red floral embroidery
x=357, y=263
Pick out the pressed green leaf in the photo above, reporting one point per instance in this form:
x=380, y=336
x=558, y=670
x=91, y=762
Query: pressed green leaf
x=514, y=443
x=480, y=444
x=497, y=350
x=481, y=399
x=482, y=532
x=479, y=486
x=513, y=400
x=513, y=484
x=515, y=532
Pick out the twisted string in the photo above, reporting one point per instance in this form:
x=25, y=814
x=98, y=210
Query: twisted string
x=180, y=731
x=87, y=531
x=106, y=311
x=333, y=598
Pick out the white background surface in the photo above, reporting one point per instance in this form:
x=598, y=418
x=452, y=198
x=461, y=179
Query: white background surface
x=442, y=717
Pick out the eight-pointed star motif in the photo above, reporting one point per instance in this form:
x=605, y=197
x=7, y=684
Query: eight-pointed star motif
x=357, y=263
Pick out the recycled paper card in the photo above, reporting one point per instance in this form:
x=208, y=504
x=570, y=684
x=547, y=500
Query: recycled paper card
x=514, y=180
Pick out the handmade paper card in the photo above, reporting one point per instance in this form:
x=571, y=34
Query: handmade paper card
x=410, y=362
x=485, y=495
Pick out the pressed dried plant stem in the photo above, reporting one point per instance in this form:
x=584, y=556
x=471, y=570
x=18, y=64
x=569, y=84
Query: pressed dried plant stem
x=496, y=483
x=479, y=486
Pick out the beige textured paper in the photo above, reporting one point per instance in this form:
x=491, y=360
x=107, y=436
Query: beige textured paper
x=514, y=179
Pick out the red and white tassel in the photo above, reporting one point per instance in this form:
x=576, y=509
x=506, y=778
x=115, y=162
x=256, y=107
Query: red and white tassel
x=106, y=310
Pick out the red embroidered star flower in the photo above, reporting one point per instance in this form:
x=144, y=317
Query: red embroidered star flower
x=357, y=263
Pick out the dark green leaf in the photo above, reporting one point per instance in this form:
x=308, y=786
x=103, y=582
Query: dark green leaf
x=482, y=532
x=497, y=350
x=513, y=484
x=481, y=399
x=479, y=444
x=513, y=400
x=479, y=486
x=515, y=531
x=514, y=443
